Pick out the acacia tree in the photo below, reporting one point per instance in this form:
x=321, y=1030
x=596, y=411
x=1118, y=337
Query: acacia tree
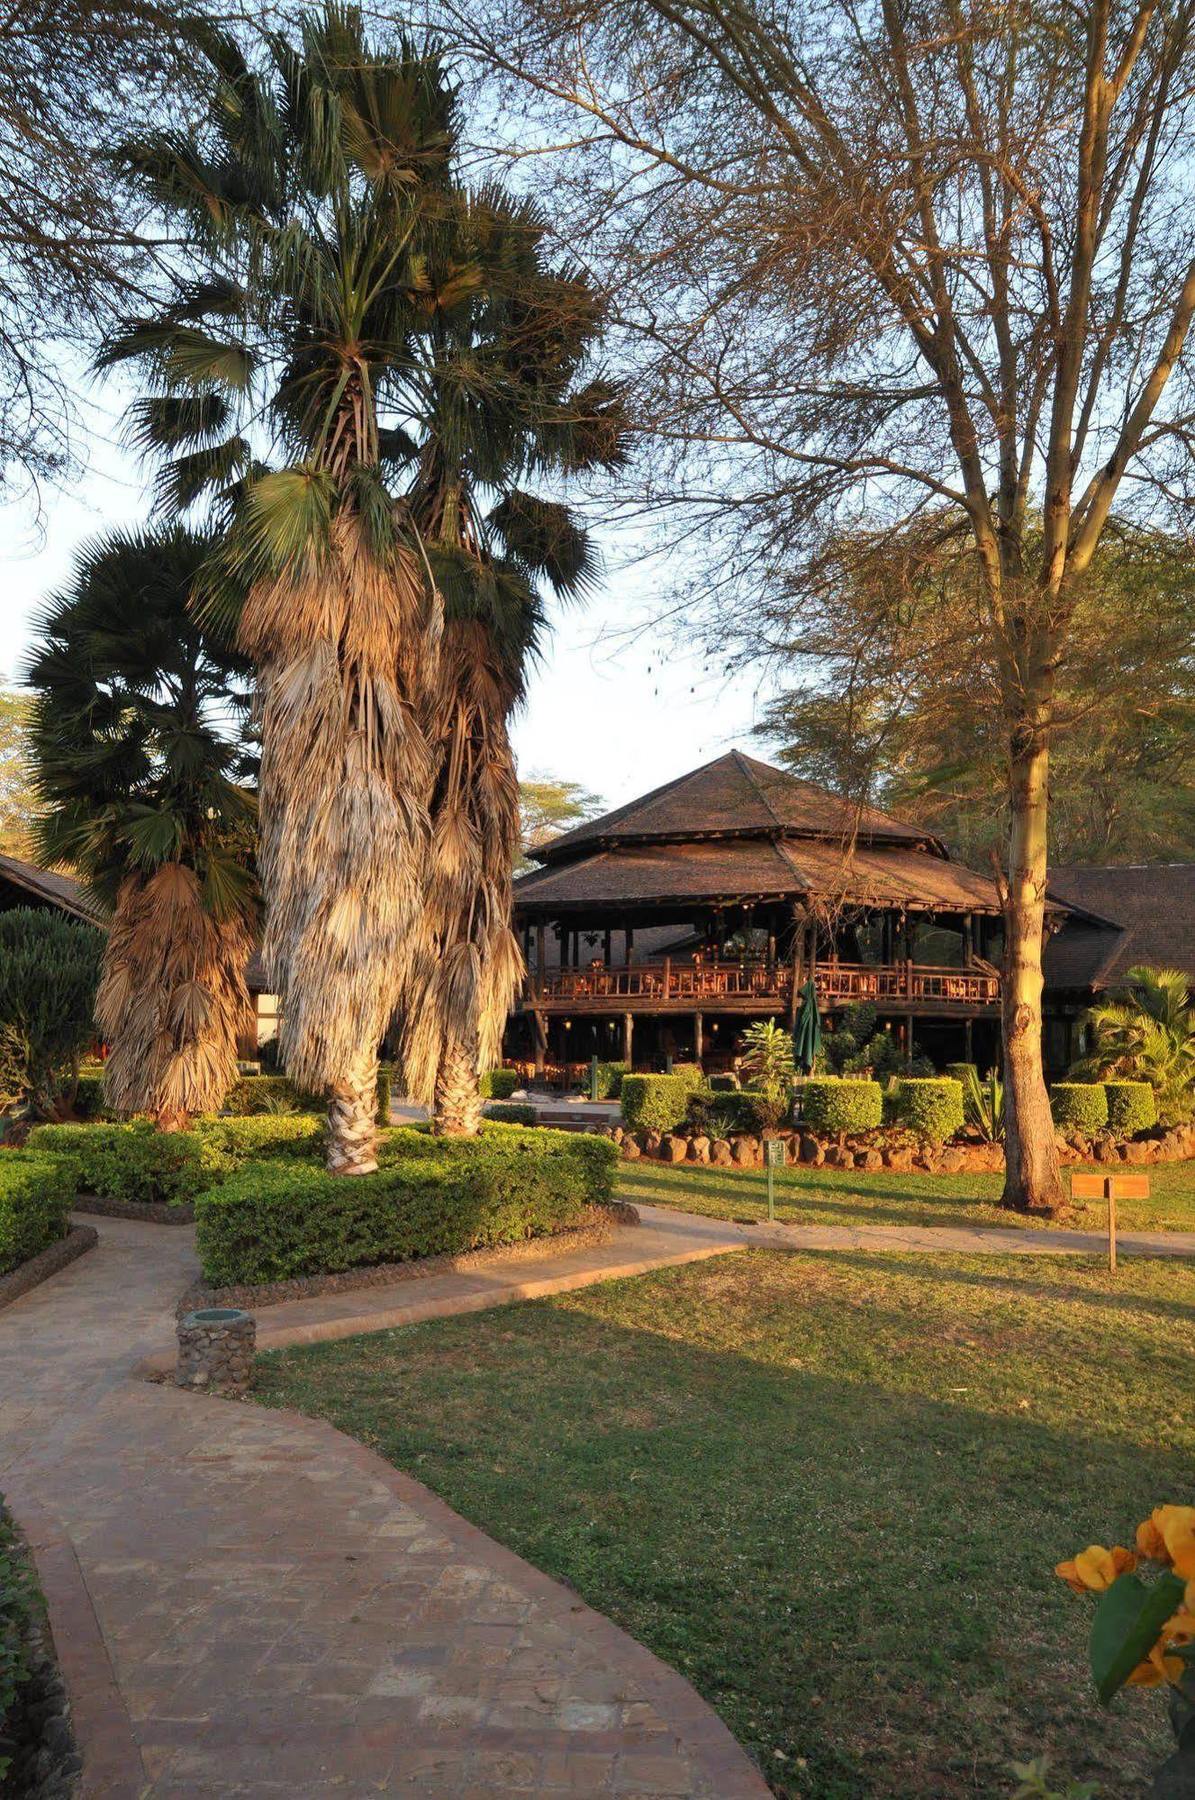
x=288, y=316
x=876, y=254
x=144, y=774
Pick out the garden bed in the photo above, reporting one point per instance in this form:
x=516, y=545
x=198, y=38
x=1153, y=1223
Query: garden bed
x=154, y=1212
x=595, y=1228
x=58, y=1255
x=39, y=1759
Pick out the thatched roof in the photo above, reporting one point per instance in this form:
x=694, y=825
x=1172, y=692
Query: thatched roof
x=735, y=797
x=30, y=886
x=1125, y=914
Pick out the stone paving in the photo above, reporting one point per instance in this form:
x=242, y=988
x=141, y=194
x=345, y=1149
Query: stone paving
x=284, y=1613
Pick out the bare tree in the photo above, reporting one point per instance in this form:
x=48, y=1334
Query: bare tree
x=874, y=255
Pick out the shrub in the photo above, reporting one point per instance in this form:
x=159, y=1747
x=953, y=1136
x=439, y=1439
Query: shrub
x=609, y=1079
x=437, y=1198
x=499, y=1084
x=36, y=1194
x=20, y=1605
x=134, y=1162
x=1079, y=1105
x=49, y=972
x=724, y=1084
x=89, y=1097
x=596, y=1156
x=655, y=1102
x=832, y=1105
x=268, y=1094
x=260, y=1137
x=932, y=1107
x=1132, y=1107
x=511, y=1112
x=720, y=1113
x=385, y=1092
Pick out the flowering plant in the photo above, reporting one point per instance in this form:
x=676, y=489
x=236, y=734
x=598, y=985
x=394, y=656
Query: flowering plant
x=1143, y=1632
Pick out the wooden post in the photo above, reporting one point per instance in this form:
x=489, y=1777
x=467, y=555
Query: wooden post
x=698, y=1044
x=967, y=1040
x=541, y=1042
x=606, y=947
x=628, y=1031
x=539, y=957
x=667, y=976
x=1110, y=1189
x=968, y=938
x=630, y=944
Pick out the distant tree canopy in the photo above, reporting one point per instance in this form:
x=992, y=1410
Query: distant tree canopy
x=550, y=807
x=16, y=788
x=893, y=695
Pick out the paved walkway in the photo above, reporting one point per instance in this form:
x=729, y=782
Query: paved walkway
x=1012, y=1240
x=284, y=1613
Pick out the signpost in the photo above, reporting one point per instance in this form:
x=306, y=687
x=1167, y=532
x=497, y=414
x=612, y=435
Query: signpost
x=1110, y=1188
x=775, y=1156
x=593, y=1078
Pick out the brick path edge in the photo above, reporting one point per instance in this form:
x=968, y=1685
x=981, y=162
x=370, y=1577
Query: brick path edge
x=28, y=1275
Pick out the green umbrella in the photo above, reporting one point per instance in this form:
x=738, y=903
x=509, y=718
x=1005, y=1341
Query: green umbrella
x=807, y=1032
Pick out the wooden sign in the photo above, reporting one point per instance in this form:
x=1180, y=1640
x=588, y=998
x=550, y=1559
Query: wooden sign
x=1110, y=1188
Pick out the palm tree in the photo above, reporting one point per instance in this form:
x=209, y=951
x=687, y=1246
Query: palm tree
x=298, y=202
x=498, y=390
x=141, y=760
x=1146, y=1032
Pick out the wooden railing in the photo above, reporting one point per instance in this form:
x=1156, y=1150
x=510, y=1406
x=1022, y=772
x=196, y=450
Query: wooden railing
x=707, y=984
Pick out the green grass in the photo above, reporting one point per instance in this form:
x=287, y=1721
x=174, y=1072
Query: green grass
x=807, y=1196
x=829, y=1488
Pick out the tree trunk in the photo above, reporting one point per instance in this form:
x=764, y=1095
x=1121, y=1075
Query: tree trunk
x=352, y=1120
x=458, y=1091
x=1033, y=1180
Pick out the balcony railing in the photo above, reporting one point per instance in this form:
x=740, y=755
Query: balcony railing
x=643, y=985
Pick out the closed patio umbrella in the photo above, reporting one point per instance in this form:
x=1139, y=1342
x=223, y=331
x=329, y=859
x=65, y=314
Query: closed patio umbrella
x=807, y=1032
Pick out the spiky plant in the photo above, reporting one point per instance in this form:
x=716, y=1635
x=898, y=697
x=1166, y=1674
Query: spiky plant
x=141, y=762
x=500, y=392
x=298, y=200
x=1145, y=1031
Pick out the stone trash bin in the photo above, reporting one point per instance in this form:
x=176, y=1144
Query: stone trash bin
x=216, y=1346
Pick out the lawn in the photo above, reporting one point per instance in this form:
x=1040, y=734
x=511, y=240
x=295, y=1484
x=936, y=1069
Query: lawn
x=829, y=1488
x=807, y=1196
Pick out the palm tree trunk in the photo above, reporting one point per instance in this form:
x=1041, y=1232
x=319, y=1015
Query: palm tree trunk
x=1033, y=1179
x=352, y=1119
x=458, y=1095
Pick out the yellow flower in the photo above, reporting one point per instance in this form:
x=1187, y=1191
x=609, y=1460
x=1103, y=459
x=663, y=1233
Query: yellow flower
x=1156, y=1669
x=1095, y=1568
x=1150, y=1541
x=1177, y=1525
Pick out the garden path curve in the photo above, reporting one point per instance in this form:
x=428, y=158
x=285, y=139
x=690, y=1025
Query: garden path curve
x=265, y=1607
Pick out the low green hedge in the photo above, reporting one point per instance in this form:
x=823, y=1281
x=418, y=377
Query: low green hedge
x=722, y=1111
x=268, y=1094
x=280, y=1220
x=511, y=1112
x=1079, y=1105
x=1132, y=1107
x=596, y=1157
x=655, y=1102
x=930, y=1106
x=260, y=1137
x=499, y=1084
x=21, y=1607
x=36, y=1195
x=134, y=1162
x=831, y=1104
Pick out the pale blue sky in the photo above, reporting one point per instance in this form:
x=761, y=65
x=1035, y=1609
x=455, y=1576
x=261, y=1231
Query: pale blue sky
x=616, y=705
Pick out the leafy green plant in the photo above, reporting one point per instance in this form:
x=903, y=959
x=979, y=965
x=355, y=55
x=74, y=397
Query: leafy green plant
x=511, y=1112
x=36, y=1195
x=1079, y=1105
x=983, y=1101
x=768, y=1062
x=1132, y=1107
x=655, y=1102
x=18, y=1608
x=268, y=1093
x=1034, y=1783
x=1146, y=1032
x=133, y=1162
x=498, y=1084
x=49, y=974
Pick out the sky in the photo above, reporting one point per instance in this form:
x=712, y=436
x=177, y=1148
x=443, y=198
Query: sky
x=616, y=706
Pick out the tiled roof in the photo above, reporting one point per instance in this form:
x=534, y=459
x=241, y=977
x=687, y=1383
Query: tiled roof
x=55, y=890
x=733, y=796
x=1138, y=913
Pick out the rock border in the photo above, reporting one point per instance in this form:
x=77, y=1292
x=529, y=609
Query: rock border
x=150, y=1212
x=602, y=1221
x=28, y=1275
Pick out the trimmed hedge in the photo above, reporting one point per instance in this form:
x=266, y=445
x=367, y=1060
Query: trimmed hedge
x=499, y=1084
x=721, y=1111
x=1079, y=1105
x=511, y=1112
x=932, y=1107
x=831, y=1104
x=435, y=1198
x=1132, y=1107
x=260, y=1137
x=655, y=1102
x=596, y=1157
x=134, y=1162
x=36, y=1195
x=609, y=1079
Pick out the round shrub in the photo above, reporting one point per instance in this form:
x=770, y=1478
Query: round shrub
x=498, y=1084
x=1079, y=1105
x=830, y=1104
x=932, y=1107
x=655, y=1102
x=1132, y=1107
